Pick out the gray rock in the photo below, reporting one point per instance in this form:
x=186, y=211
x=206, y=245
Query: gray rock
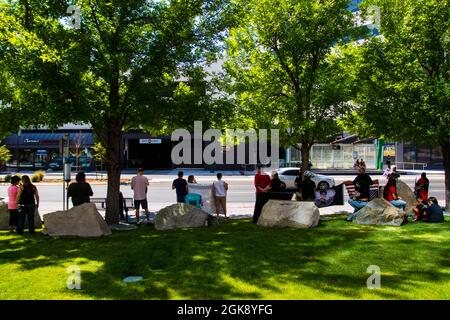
x=405, y=192
x=180, y=215
x=379, y=212
x=286, y=213
x=4, y=218
x=81, y=221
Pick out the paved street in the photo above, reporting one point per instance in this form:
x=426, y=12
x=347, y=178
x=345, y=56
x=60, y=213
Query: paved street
x=240, y=196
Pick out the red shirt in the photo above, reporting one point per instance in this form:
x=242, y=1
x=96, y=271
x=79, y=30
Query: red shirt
x=390, y=196
x=262, y=180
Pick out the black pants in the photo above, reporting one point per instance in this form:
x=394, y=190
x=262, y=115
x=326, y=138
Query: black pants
x=26, y=212
x=13, y=217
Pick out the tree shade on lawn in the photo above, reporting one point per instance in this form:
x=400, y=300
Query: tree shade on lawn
x=237, y=260
x=117, y=71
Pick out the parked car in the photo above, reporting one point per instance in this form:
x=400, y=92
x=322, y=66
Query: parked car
x=288, y=176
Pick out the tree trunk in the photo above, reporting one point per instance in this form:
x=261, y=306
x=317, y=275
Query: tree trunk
x=446, y=153
x=114, y=138
x=305, y=156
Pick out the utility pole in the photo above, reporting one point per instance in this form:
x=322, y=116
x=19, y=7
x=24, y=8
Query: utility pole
x=64, y=151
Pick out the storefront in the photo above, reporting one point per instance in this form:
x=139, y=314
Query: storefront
x=39, y=149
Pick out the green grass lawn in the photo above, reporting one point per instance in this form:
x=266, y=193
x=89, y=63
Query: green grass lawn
x=237, y=260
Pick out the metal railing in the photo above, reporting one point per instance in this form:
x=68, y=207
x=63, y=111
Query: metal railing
x=411, y=165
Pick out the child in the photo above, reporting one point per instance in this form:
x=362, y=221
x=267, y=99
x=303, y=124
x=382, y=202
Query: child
x=419, y=210
x=12, y=203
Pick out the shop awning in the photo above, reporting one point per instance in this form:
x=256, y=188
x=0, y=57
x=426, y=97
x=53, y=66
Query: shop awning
x=51, y=140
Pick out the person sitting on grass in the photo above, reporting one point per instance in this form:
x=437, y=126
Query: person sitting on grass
x=390, y=192
x=434, y=212
x=13, y=190
x=419, y=210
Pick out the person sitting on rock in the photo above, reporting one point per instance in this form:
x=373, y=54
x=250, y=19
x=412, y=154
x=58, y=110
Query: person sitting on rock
x=361, y=196
x=276, y=184
x=434, y=212
x=308, y=188
x=80, y=191
x=390, y=192
x=419, y=210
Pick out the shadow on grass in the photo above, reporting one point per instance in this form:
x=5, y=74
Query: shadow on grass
x=239, y=260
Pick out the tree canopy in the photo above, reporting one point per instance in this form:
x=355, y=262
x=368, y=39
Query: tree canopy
x=403, y=76
x=118, y=70
x=279, y=71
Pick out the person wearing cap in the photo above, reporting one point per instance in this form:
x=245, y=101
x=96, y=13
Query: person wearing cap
x=390, y=192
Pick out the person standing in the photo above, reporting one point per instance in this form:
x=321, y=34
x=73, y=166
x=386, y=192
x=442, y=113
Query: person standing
x=139, y=185
x=13, y=190
x=181, y=187
x=422, y=186
x=80, y=191
x=362, y=184
x=28, y=202
x=262, y=181
x=390, y=192
x=220, y=189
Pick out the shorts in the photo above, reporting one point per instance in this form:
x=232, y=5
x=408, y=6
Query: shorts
x=13, y=217
x=142, y=203
x=221, y=202
x=180, y=199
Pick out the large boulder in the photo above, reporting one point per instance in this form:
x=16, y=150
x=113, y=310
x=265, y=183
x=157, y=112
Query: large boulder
x=4, y=217
x=405, y=192
x=180, y=215
x=81, y=221
x=380, y=212
x=287, y=213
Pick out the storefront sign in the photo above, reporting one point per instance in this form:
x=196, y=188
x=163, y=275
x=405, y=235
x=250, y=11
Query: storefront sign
x=30, y=141
x=150, y=141
x=389, y=150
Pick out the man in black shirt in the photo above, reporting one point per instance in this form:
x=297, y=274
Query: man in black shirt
x=362, y=184
x=434, y=212
x=181, y=187
x=80, y=191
